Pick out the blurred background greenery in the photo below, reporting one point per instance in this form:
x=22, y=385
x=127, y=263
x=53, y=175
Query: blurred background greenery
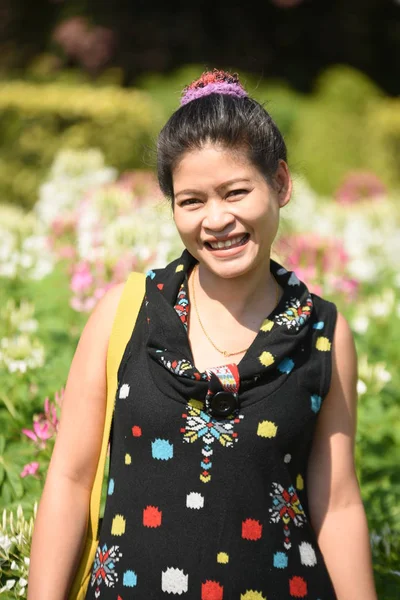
x=84, y=88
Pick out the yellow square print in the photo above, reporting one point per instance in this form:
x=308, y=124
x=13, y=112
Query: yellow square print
x=323, y=344
x=222, y=558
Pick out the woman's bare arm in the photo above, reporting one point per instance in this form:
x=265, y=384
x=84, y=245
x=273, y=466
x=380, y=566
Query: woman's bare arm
x=336, y=508
x=63, y=510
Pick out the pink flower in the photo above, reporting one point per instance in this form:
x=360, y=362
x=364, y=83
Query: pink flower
x=92, y=46
x=50, y=414
x=123, y=266
x=29, y=469
x=360, y=185
x=64, y=224
x=320, y=262
x=346, y=285
x=142, y=183
x=40, y=434
x=59, y=396
x=45, y=425
x=82, y=278
x=67, y=252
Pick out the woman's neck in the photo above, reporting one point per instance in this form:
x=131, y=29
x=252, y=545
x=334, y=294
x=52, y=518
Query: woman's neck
x=251, y=293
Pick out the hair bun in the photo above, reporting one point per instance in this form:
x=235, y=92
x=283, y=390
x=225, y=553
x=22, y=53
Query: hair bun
x=213, y=82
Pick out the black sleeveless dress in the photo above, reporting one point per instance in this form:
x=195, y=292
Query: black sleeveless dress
x=207, y=495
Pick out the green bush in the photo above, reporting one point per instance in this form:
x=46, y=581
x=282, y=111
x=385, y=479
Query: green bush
x=37, y=120
x=283, y=103
x=383, y=131
x=329, y=138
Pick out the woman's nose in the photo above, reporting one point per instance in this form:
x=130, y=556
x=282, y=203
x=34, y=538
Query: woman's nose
x=217, y=216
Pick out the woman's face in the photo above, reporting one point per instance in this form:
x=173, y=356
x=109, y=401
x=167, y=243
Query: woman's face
x=225, y=212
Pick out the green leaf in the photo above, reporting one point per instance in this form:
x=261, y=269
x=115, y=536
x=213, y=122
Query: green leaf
x=9, y=405
x=16, y=483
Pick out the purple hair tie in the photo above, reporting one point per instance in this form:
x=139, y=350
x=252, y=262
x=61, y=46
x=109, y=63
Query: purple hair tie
x=219, y=87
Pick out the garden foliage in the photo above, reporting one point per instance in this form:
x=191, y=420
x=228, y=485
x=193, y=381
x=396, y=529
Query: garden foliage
x=78, y=213
x=36, y=120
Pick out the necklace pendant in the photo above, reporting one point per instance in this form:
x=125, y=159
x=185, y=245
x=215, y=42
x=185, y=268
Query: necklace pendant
x=225, y=353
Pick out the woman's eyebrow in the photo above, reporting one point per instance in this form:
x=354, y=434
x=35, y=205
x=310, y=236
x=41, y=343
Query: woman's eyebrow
x=237, y=180
x=188, y=191
x=221, y=186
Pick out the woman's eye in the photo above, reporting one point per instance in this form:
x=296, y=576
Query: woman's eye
x=189, y=201
x=237, y=192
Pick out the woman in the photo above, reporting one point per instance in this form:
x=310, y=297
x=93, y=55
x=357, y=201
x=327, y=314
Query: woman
x=232, y=465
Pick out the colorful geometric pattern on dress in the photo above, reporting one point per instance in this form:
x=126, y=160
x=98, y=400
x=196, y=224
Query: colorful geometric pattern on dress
x=228, y=376
x=295, y=315
x=286, y=507
x=104, y=567
x=199, y=425
x=182, y=306
x=179, y=367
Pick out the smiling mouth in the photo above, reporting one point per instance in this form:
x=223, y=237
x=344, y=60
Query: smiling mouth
x=232, y=243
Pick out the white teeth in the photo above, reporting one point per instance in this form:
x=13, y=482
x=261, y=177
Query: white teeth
x=227, y=244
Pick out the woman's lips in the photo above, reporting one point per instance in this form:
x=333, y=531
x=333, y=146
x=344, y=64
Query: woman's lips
x=232, y=249
x=233, y=242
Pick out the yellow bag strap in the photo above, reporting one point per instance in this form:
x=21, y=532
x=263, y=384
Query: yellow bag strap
x=125, y=318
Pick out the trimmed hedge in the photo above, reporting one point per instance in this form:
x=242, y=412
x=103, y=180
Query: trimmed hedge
x=37, y=120
x=347, y=124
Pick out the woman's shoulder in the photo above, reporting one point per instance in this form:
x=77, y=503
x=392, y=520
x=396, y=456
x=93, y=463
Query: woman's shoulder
x=328, y=309
x=324, y=312
x=322, y=302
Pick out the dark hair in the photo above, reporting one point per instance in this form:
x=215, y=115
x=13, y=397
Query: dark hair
x=235, y=123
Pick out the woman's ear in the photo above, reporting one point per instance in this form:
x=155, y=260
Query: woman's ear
x=283, y=183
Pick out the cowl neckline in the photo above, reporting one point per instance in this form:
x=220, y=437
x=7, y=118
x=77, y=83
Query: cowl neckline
x=272, y=354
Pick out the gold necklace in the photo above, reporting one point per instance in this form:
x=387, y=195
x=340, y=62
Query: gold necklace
x=224, y=352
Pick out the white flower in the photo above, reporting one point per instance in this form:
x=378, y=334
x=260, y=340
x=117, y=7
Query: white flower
x=379, y=309
x=382, y=374
x=382, y=305
x=28, y=326
x=73, y=173
x=361, y=387
x=360, y=324
x=8, y=270
x=5, y=542
x=24, y=255
x=20, y=353
x=362, y=268
x=26, y=261
x=9, y=585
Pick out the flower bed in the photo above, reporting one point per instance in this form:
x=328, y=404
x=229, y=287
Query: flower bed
x=90, y=227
